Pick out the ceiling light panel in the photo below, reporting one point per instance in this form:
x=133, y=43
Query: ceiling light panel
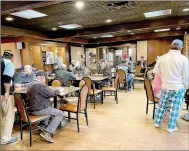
x=157, y=13
x=161, y=30
x=29, y=14
x=106, y=36
x=70, y=26
x=186, y=9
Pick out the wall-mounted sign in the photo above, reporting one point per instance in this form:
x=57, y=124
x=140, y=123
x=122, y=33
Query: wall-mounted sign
x=49, y=58
x=44, y=57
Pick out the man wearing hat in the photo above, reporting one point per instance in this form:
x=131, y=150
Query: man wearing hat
x=72, y=65
x=173, y=67
x=39, y=95
x=7, y=101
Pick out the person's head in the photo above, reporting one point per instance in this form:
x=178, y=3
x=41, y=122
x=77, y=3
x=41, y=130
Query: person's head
x=73, y=62
x=58, y=53
x=8, y=55
x=27, y=69
x=55, y=66
x=33, y=66
x=142, y=58
x=176, y=45
x=40, y=75
x=63, y=67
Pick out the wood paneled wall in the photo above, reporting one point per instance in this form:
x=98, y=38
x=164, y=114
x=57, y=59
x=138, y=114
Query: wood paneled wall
x=158, y=47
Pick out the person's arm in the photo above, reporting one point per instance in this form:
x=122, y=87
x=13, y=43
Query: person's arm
x=185, y=73
x=157, y=69
x=47, y=92
x=72, y=76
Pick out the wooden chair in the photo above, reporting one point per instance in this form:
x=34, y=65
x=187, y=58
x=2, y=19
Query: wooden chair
x=56, y=83
x=112, y=89
x=93, y=92
x=80, y=107
x=122, y=78
x=28, y=120
x=93, y=72
x=138, y=73
x=74, y=99
x=151, y=99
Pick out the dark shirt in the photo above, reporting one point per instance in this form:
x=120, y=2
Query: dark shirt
x=39, y=96
x=25, y=78
x=142, y=64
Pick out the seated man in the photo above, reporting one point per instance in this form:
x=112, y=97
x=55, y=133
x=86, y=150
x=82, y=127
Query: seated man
x=34, y=69
x=72, y=65
x=27, y=76
x=55, y=66
x=129, y=77
x=64, y=75
x=78, y=70
x=39, y=95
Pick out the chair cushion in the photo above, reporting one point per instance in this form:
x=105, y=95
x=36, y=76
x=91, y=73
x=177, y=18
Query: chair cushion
x=108, y=89
x=69, y=107
x=96, y=91
x=34, y=118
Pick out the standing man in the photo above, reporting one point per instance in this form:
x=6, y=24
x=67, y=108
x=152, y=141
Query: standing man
x=173, y=67
x=7, y=101
x=58, y=59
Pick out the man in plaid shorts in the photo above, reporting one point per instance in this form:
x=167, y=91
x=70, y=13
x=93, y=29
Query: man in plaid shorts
x=173, y=67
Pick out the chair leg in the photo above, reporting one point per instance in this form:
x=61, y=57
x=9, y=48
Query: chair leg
x=94, y=101
x=69, y=117
x=147, y=107
x=21, y=131
x=125, y=85
x=102, y=97
x=86, y=116
x=30, y=135
x=77, y=122
x=116, y=97
x=154, y=109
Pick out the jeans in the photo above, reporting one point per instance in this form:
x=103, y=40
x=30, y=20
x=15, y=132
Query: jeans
x=130, y=79
x=57, y=117
x=177, y=98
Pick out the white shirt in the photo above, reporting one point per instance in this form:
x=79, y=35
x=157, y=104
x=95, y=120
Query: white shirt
x=59, y=60
x=174, y=68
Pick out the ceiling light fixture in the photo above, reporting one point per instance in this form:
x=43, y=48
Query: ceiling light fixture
x=178, y=28
x=128, y=31
x=9, y=18
x=70, y=26
x=161, y=30
x=106, y=36
x=157, y=13
x=186, y=10
x=109, y=21
x=132, y=33
x=29, y=14
x=54, y=29
x=95, y=37
x=79, y=4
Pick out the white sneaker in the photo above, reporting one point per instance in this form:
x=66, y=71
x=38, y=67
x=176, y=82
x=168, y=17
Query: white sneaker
x=12, y=140
x=172, y=130
x=156, y=125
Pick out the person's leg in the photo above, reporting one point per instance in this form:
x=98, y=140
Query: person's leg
x=130, y=81
x=159, y=114
x=8, y=121
x=58, y=116
x=177, y=100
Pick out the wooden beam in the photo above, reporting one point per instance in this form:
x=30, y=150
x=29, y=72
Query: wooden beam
x=72, y=40
x=14, y=6
x=22, y=32
x=143, y=25
x=139, y=37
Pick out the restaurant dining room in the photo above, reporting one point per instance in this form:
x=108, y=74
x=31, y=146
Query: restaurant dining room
x=94, y=75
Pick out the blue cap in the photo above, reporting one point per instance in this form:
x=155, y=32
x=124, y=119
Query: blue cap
x=177, y=42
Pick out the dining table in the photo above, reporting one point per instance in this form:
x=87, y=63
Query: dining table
x=63, y=92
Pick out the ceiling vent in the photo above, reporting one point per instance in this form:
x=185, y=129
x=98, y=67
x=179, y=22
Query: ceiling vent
x=121, y=5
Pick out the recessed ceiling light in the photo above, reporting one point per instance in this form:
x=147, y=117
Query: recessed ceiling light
x=106, y=36
x=109, y=20
x=178, y=28
x=157, y=13
x=70, y=26
x=132, y=33
x=128, y=31
x=186, y=9
x=95, y=37
x=79, y=4
x=98, y=43
x=54, y=29
x=29, y=14
x=161, y=30
x=9, y=18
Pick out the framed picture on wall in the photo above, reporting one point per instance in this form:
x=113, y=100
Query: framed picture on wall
x=49, y=58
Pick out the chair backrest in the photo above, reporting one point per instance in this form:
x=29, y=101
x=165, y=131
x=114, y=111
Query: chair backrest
x=83, y=98
x=21, y=107
x=93, y=72
x=138, y=69
x=56, y=83
x=148, y=89
x=121, y=74
x=116, y=81
x=81, y=83
x=88, y=81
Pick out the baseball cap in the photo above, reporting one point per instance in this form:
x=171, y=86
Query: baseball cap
x=177, y=42
x=7, y=55
x=40, y=73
